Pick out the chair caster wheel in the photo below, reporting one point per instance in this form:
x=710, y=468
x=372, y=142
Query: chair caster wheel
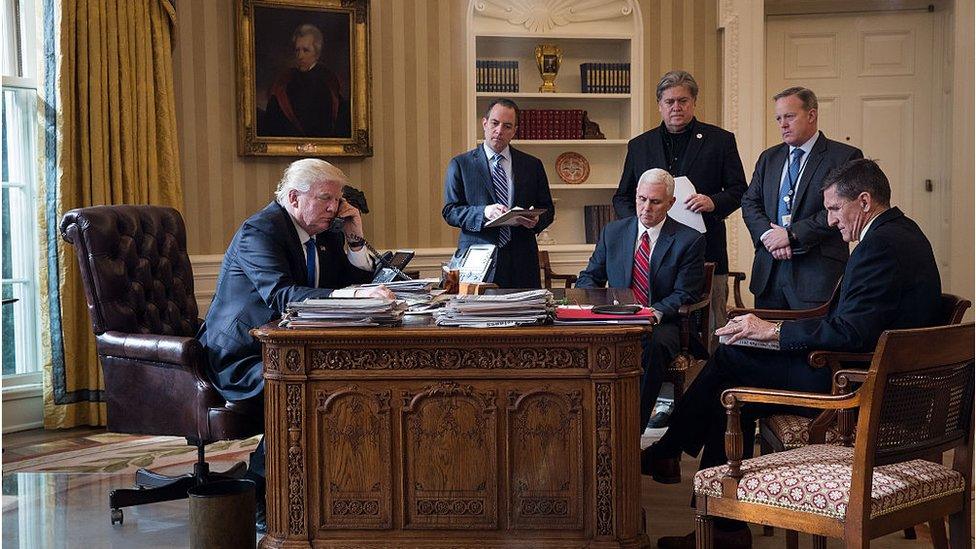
x=117, y=516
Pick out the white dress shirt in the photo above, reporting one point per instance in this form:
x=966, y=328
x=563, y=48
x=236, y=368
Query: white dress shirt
x=507, y=166
x=807, y=147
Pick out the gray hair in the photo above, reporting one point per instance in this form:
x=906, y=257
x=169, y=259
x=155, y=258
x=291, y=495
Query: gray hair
x=672, y=79
x=806, y=95
x=314, y=32
x=657, y=176
x=300, y=174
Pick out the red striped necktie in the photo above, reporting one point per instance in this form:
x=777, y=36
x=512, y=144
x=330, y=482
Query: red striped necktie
x=640, y=283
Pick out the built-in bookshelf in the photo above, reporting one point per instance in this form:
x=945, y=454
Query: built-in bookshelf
x=606, y=32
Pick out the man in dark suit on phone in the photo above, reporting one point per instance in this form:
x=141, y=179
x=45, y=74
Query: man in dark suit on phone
x=281, y=254
x=799, y=258
x=662, y=261
x=488, y=181
x=707, y=155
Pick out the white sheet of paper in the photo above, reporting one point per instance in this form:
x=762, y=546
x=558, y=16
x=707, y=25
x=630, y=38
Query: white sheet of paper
x=683, y=188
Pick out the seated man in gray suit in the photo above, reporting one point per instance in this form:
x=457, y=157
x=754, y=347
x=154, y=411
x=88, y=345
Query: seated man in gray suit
x=662, y=261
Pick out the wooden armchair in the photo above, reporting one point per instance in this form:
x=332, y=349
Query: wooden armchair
x=693, y=324
x=737, y=277
x=916, y=401
x=548, y=276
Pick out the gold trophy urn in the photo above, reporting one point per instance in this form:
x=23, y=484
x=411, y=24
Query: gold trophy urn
x=548, y=57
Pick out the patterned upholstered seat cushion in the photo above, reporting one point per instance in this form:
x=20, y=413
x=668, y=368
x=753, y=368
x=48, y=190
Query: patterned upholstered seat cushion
x=793, y=431
x=817, y=479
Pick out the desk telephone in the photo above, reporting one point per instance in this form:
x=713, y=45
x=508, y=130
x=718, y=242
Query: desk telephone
x=389, y=265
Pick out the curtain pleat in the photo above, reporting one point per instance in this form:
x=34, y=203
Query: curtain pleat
x=117, y=145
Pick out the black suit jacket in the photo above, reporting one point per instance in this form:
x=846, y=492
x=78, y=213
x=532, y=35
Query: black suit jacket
x=820, y=258
x=677, y=264
x=711, y=162
x=263, y=270
x=891, y=282
x=468, y=189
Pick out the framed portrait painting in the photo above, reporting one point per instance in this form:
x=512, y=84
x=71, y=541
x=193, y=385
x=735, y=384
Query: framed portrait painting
x=303, y=78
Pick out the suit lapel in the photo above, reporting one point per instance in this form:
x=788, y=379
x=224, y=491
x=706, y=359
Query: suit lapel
x=655, y=151
x=661, y=247
x=817, y=154
x=294, y=247
x=624, y=248
x=481, y=163
x=774, y=176
x=694, y=145
x=519, y=198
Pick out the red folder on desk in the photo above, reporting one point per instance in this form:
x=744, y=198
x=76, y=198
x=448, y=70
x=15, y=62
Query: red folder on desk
x=571, y=313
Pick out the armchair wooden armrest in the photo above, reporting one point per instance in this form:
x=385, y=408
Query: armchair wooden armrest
x=780, y=314
x=835, y=359
x=737, y=278
x=732, y=400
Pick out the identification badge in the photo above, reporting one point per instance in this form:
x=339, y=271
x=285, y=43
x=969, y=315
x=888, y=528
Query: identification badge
x=785, y=220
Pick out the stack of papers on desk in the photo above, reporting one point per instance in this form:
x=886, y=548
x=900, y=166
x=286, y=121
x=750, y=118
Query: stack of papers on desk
x=583, y=314
x=414, y=292
x=489, y=311
x=339, y=312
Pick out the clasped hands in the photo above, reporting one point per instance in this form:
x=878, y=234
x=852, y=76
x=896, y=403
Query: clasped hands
x=777, y=242
x=495, y=210
x=748, y=326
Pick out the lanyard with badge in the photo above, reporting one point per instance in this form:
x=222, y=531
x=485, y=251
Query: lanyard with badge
x=787, y=218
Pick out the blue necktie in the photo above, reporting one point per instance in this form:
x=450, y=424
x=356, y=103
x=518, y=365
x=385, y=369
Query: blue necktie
x=310, y=254
x=500, y=183
x=787, y=190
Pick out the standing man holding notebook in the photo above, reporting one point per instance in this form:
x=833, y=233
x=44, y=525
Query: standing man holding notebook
x=485, y=183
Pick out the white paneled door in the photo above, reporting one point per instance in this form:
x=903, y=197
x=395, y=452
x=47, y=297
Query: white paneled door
x=878, y=80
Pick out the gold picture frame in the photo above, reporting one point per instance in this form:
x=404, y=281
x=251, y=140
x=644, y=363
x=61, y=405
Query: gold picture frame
x=303, y=85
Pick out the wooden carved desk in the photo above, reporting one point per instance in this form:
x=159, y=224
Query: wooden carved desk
x=419, y=436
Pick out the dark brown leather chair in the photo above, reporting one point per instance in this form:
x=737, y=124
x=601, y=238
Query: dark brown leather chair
x=139, y=287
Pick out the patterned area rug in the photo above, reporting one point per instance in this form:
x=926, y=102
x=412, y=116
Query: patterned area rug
x=117, y=453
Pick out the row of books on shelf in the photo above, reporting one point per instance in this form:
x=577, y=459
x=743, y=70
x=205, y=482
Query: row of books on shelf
x=595, y=218
x=605, y=77
x=496, y=76
x=550, y=124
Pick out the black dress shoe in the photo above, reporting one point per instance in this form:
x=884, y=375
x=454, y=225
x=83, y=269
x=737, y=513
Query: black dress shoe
x=732, y=539
x=666, y=470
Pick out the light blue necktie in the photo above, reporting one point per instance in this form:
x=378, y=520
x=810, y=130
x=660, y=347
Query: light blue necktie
x=500, y=183
x=310, y=254
x=787, y=190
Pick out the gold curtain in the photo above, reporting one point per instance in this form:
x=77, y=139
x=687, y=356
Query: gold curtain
x=117, y=145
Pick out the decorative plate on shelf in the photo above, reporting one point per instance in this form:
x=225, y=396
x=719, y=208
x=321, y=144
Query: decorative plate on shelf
x=572, y=167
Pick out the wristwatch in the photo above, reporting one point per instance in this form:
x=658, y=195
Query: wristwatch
x=776, y=328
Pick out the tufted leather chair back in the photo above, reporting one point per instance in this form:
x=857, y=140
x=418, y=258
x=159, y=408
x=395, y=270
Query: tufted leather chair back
x=135, y=269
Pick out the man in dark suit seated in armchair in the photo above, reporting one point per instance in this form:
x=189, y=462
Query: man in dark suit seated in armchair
x=891, y=282
x=281, y=254
x=662, y=261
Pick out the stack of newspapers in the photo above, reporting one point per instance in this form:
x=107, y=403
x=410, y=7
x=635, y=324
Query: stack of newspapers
x=341, y=312
x=489, y=311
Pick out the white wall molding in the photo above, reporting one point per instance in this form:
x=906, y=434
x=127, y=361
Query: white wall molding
x=743, y=94
x=23, y=407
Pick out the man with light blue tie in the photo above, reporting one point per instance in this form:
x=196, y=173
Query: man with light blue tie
x=799, y=258
x=486, y=182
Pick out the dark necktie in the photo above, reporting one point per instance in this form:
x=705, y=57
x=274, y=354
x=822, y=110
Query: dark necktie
x=787, y=190
x=310, y=254
x=640, y=283
x=500, y=183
